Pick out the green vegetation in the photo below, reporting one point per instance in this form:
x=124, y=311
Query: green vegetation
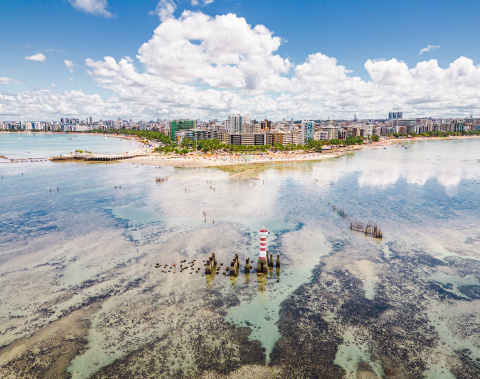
x=438, y=134
x=209, y=146
x=317, y=145
x=149, y=135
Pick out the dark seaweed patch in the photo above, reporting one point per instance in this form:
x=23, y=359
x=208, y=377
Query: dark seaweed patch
x=473, y=291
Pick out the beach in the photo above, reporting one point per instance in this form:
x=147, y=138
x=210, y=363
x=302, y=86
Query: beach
x=220, y=159
x=227, y=159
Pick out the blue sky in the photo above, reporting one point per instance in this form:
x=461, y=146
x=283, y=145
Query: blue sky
x=309, y=59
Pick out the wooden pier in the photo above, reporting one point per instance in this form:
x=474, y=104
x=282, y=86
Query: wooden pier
x=89, y=157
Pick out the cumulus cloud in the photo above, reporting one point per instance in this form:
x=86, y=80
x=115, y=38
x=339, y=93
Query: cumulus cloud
x=164, y=9
x=39, y=57
x=428, y=49
x=388, y=73
x=95, y=7
x=69, y=65
x=45, y=104
x=208, y=67
x=222, y=51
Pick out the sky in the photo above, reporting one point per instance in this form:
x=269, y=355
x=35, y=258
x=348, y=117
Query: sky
x=206, y=59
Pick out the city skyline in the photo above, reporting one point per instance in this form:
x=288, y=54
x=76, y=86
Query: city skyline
x=208, y=59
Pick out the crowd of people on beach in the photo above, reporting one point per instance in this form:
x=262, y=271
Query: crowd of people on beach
x=251, y=157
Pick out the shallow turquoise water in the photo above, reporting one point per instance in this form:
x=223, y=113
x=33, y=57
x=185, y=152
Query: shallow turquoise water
x=41, y=145
x=112, y=221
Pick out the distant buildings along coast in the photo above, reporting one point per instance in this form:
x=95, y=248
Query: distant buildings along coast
x=240, y=129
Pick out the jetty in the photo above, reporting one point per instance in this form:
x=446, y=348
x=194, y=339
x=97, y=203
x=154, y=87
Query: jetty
x=91, y=157
x=369, y=228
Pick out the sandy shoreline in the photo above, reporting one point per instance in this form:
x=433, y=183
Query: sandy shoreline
x=203, y=160
x=226, y=159
x=198, y=160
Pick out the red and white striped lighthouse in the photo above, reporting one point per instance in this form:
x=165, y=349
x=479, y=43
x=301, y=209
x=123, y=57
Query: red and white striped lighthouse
x=263, y=243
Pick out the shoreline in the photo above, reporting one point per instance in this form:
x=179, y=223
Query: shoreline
x=211, y=160
x=224, y=159
x=134, y=139
x=202, y=160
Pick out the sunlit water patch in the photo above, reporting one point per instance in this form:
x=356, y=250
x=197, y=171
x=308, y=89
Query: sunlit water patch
x=41, y=145
x=74, y=235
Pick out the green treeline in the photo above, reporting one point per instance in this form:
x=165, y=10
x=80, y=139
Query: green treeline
x=438, y=134
x=149, y=135
x=212, y=145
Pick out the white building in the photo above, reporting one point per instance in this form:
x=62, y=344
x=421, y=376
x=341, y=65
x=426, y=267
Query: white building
x=235, y=122
x=307, y=129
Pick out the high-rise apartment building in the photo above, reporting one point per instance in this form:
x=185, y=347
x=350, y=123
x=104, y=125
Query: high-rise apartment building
x=235, y=123
x=307, y=130
x=177, y=125
x=266, y=124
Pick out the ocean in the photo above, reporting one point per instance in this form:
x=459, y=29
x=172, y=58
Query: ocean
x=102, y=265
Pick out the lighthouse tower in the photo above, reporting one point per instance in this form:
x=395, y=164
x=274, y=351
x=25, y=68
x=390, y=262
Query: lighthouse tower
x=262, y=259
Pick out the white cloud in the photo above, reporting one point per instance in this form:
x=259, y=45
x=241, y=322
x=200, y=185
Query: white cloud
x=388, y=73
x=5, y=80
x=164, y=9
x=69, y=65
x=39, y=57
x=207, y=67
x=45, y=104
x=428, y=49
x=222, y=51
x=95, y=7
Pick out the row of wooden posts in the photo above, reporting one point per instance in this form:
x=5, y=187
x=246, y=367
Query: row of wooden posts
x=211, y=265
x=369, y=228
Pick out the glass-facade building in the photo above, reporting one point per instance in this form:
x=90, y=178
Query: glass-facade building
x=307, y=131
x=177, y=125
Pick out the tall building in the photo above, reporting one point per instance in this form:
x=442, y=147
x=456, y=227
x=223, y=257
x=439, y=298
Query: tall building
x=177, y=125
x=395, y=115
x=235, y=122
x=307, y=130
x=409, y=125
x=266, y=124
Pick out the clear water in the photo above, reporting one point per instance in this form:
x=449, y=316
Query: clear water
x=42, y=145
x=99, y=237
